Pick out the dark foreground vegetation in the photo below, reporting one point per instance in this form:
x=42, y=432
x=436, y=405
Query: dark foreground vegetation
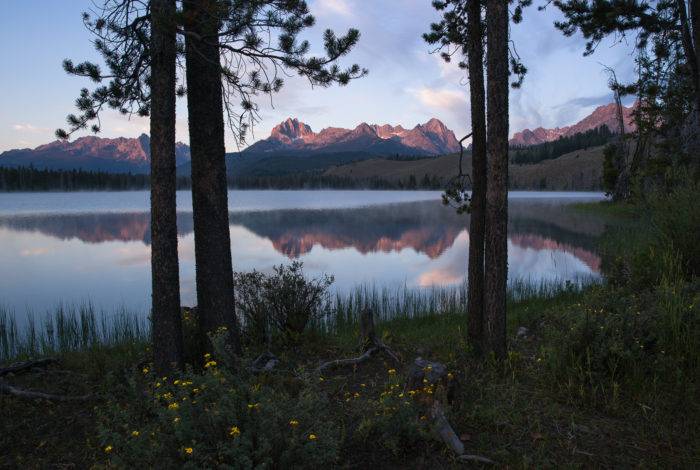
x=604, y=376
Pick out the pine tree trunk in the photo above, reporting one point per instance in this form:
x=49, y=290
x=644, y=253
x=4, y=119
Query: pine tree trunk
x=167, y=328
x=477, y=222
x=695, y=22
x=214, y=272
x=496, y=255
x=690, y=41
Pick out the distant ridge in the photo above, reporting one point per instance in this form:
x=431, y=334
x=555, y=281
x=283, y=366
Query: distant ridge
x=292, y=147
x=605, y=115
x=292, y=135
x=92, y=153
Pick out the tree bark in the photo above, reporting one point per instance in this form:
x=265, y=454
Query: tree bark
x=477, y=221
x=496, y=253
x=690, y=41
x=214, y=271
x=167, y=327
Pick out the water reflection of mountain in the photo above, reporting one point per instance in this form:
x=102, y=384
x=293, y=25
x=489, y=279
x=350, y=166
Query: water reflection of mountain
x=426, y=227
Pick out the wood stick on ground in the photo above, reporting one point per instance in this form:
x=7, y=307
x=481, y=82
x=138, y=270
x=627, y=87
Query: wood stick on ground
x=8, y=389
x=27, y=365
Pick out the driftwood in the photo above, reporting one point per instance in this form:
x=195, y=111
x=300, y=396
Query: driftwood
x=444, y=429
x=369, y=343
x=8, y=389
x=26, y=365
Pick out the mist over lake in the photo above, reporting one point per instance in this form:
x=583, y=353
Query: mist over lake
x=95, y=247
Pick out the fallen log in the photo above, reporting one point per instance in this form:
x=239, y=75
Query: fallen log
x=8, y=389
x=26, y=365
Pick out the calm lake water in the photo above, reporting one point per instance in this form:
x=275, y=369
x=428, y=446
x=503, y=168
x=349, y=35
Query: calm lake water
x=78, y=247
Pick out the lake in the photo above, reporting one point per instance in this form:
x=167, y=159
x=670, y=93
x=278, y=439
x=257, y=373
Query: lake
x=73, y=248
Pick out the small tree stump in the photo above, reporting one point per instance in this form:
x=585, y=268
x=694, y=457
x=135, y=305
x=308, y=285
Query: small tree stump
x=368, y=335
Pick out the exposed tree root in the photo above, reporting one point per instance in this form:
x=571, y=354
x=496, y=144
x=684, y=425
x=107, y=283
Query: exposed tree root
x=370, y=343
x=349, y=361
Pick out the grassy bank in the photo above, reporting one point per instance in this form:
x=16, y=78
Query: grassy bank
x=601, y=376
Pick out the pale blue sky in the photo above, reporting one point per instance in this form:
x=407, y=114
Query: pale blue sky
x=406, y=85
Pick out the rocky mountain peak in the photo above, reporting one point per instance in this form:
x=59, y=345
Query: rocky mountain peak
x=605, y=115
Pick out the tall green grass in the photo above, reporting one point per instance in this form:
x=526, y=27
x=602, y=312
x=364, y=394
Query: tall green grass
x=83, y=328
x=68, y=328
x=404, y=302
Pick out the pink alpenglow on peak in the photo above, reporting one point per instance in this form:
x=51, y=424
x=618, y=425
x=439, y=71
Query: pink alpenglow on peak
x=602, y=116
x=292, y=135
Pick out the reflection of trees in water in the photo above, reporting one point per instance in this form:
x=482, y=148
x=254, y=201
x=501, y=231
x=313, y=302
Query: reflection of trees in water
x=426, y=227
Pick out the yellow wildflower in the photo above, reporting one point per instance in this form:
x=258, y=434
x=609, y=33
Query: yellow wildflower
x=391, y=371
x=135, y=433
x=157, y=384
x=450, y=376
x=356, y=395
x=312, y=437
x=108, y=449
x=294, y=423
x=210, y=364
x=234, y=432
x=188, y=450
x=207, y=356
x=173, y=406
x=145, y=370
x=176, y=382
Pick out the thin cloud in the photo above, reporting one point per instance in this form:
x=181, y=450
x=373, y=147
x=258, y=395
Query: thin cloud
x=28, y=128
x=324, y=7
x=441, y=99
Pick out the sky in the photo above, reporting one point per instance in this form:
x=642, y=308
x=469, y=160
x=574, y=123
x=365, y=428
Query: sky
x=406, y=84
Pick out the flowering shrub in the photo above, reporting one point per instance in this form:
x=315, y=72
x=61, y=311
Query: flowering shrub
x=218, y=418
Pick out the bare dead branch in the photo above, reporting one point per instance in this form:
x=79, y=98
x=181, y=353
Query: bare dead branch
x=27, y=365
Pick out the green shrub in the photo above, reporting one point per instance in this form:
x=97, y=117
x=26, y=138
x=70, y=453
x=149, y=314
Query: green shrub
x=285, y=301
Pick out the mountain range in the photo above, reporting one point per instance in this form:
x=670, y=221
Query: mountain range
x=605, y=115
x=292, y=146
x=119, y=155
x=292, y=135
